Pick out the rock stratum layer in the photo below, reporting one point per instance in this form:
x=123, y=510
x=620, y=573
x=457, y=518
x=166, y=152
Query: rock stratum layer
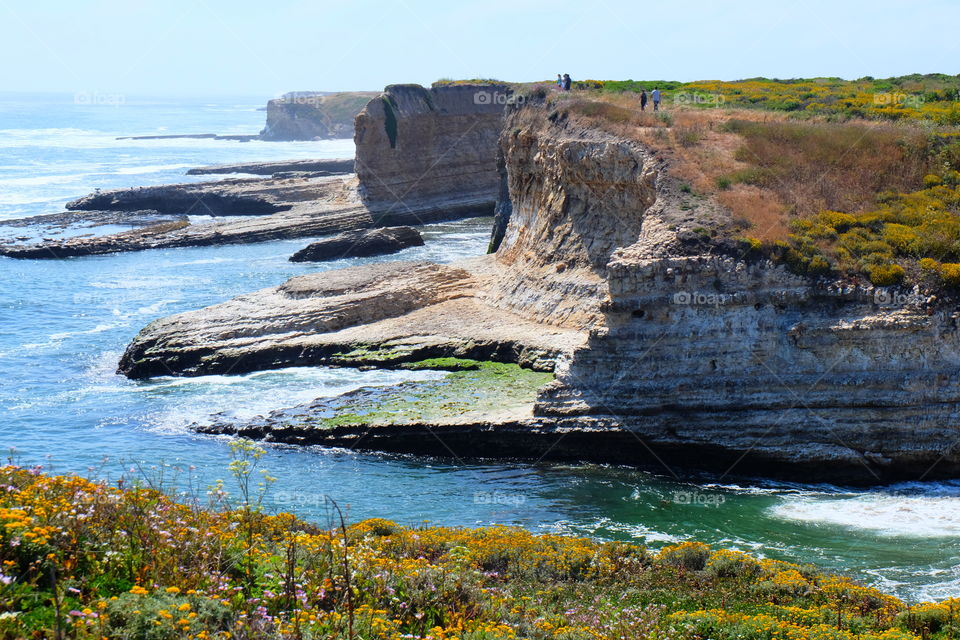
x=426, y=174
x=693, y=358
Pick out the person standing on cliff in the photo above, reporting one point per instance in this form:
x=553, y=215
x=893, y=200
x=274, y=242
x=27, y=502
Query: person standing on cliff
x=643, y=100
x=566, y=82
x=559, y=82
x=656, y=99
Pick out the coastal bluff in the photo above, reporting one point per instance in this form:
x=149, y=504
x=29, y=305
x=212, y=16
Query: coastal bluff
x=314, y=115
x=664, y=350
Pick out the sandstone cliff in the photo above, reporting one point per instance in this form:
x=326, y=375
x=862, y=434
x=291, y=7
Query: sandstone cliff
x=709, y=358
x=419, y=148
x=314, y=115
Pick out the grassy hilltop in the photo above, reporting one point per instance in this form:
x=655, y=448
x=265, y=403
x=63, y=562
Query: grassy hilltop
x=84, y=560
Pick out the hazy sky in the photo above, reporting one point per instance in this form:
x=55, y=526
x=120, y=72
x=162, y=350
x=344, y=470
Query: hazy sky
x=268, y=47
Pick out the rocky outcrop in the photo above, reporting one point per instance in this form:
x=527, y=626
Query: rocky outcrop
x=418, y=147
x=382, y=314
x=358, y=244
x=306, y=115
x=314, y=167
x=259, y=210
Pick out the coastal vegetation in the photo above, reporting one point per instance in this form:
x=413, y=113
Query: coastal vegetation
x=871, y=196
x=914, y=97
x=82, y=559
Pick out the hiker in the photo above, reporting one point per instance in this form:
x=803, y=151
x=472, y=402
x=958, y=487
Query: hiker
x=643, y=100
x=656, y=99
x=559, y=82
x=566, y=82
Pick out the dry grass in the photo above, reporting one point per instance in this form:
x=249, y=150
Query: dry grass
x=762, y=166
x=820, y=166
x=759, y=208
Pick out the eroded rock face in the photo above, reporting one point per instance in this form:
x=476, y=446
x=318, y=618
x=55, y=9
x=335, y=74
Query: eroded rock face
x=711, y=356
x=313, y=115
x=358, y=244
x=417, y=147
x=711, y=353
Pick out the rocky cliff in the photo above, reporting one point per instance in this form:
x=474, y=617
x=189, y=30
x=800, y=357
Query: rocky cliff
x=710, y=359
x=666, y=350
x=421, y=148
x=313, y=115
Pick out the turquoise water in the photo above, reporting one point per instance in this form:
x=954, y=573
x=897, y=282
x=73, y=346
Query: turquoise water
x=63, y=325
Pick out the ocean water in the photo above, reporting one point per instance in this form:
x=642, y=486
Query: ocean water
x=64, y=324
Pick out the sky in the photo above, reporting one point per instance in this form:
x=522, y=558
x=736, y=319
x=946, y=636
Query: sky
x=269, y=47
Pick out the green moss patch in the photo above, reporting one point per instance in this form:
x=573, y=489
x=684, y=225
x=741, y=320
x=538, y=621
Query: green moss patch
x=473, y=390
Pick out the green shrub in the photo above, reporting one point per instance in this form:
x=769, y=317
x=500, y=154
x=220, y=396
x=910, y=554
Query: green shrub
x=929, y=264
x=924, y=619
x=950, y=274
x=732, y=564
x=156, y=616
x=691, y=556
x=886, y=275
x=818, y=266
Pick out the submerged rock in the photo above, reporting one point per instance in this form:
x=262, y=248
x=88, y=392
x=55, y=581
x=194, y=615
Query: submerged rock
x=358, y=244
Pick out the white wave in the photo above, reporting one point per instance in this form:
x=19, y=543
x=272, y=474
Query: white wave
x=888, y=515
x=154, y=168
x=26, y=198
x=597, y=527
x=155, y=307
x=100, y=328
x=56, y=340
x=148, y=282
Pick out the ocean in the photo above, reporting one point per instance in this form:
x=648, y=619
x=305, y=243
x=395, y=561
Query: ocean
x=66, y=322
